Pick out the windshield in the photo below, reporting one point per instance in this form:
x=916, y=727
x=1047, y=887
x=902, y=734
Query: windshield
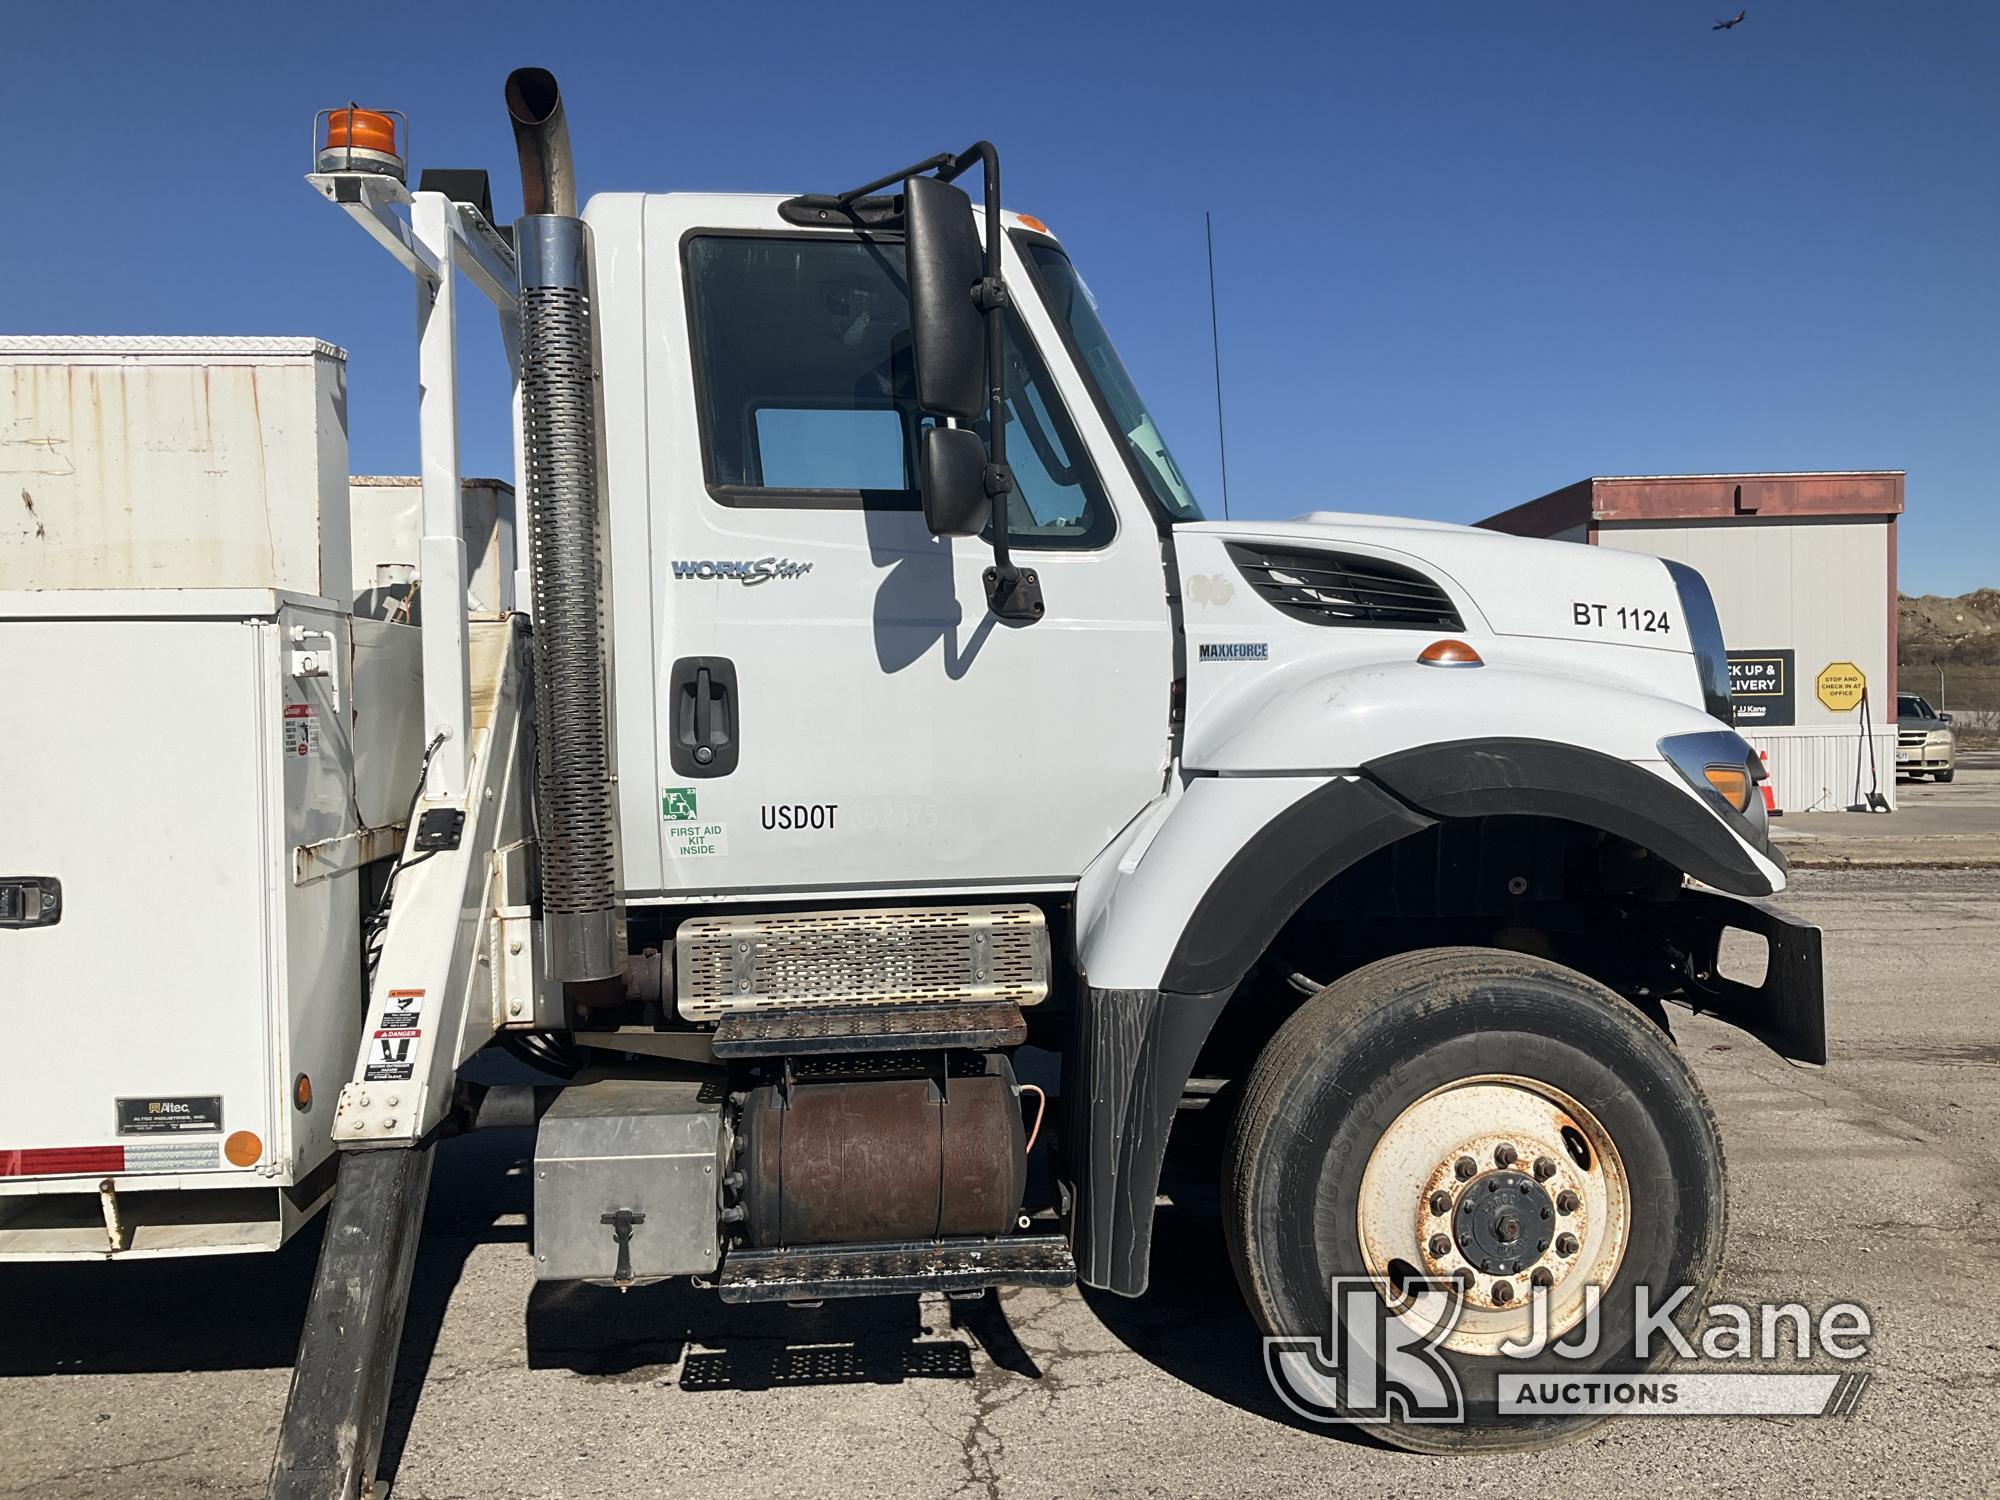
x=1908, y=706
x=1070, y=302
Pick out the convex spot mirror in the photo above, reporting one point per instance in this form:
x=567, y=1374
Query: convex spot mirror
x=947, y=328
x=952, y=480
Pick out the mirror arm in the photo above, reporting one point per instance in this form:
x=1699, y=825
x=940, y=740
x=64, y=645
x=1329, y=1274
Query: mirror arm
x=1012, y=593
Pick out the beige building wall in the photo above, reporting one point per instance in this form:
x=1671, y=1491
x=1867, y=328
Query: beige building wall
x=1816, y=585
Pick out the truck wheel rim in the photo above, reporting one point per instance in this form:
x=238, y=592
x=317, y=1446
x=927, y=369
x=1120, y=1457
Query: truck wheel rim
x=1508, y=1189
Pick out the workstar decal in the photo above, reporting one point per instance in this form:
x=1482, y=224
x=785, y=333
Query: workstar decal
x=757, y=570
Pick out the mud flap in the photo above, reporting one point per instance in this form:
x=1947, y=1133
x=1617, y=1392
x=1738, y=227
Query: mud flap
x=1130, y=1056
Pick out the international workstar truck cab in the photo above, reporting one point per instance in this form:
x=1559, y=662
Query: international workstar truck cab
x=883, y=775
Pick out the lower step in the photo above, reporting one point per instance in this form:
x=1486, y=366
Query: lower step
x=813, y=1272
x=983, y=1026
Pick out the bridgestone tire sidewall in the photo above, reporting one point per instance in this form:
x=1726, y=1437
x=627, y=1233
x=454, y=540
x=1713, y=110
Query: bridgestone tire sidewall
x=1355, y=1056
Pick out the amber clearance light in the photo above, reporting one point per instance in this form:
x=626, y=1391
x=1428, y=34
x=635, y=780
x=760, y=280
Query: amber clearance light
x=1449, y=653
x=1733, y=782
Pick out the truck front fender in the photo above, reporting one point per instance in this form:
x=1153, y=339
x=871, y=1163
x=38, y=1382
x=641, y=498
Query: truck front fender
x=1172, y=916
x=1169, y=919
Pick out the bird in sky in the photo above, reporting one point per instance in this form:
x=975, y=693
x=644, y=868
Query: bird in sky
x=1736, y=20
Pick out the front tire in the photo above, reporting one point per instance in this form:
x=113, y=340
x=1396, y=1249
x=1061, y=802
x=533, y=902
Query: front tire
x=1944, y=775
x=1595, y=1159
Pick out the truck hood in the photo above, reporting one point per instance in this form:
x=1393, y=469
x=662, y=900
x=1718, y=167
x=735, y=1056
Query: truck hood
x=1505, y=585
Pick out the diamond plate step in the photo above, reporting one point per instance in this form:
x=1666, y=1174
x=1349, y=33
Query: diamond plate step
x=813, y=1272
x=870, y=1028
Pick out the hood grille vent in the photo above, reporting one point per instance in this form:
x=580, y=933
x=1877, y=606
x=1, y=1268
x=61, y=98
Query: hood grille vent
x=1341, y=588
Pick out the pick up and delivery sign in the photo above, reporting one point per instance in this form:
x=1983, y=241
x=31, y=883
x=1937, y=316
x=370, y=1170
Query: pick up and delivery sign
x=1760, y=688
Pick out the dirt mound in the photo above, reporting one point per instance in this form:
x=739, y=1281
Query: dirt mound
x=1964, y=630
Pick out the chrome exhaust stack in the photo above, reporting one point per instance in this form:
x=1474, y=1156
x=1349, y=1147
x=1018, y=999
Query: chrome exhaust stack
x=575, y=816
x=541, y=137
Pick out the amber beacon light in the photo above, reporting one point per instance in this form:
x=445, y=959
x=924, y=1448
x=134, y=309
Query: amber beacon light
x=353, y=139
x=1449, y=653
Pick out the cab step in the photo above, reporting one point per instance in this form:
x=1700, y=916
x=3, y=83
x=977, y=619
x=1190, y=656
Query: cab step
x=811, y=1273
x=809, y=1030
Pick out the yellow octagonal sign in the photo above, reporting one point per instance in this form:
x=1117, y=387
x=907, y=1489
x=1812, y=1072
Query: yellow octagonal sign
x=1840, y=685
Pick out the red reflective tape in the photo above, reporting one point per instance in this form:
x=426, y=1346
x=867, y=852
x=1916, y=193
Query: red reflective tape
x=56, y=1161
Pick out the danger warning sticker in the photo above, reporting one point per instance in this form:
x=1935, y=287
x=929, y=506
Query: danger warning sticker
x=301, y=730
x=389, y=1058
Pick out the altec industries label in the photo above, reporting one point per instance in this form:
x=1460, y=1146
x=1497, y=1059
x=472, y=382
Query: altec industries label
x=179, y=1114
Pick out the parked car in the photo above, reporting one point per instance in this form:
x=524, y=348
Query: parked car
x=1925, y=744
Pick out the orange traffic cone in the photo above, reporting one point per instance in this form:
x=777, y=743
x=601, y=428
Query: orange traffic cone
x=1771, y=808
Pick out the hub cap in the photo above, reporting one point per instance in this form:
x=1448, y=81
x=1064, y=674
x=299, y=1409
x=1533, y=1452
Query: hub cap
x=1544, y=1209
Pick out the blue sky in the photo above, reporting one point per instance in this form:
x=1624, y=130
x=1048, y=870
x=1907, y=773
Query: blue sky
x=1467, y=252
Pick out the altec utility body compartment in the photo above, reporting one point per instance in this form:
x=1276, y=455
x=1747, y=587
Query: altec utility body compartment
x=202, y=753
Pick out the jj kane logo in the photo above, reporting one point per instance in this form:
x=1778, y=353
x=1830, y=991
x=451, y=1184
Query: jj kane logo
x=1384, y=1359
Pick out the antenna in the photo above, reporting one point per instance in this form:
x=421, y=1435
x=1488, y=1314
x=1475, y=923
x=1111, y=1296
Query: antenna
x=1215, y=343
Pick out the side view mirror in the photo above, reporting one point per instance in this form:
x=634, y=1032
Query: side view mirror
x=947, y=328
x=1944, y=718
x=952, y=480
x=958, y=332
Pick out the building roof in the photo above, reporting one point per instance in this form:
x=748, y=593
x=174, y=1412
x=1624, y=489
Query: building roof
x=1704, y=497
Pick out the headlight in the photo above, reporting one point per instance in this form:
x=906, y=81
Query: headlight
x=1940, y=737
x=1711, y=661
x=1721, y=766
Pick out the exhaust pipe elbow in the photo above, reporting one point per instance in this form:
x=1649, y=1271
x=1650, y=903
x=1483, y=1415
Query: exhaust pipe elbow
x=541, y=136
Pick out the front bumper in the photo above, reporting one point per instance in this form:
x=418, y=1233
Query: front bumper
x=1923, y=758
x=1787, y=1011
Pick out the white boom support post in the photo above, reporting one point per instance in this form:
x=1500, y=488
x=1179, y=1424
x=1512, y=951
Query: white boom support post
x=441, y=550
x=432, y=1003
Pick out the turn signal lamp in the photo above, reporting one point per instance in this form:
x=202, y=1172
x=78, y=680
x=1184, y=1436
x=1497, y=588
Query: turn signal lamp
x=1029, y=221
x=361, y=140
x=1449, y=653
x=1733, y=782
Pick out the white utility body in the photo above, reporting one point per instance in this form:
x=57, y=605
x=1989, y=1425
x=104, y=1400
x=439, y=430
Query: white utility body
x=206, y=747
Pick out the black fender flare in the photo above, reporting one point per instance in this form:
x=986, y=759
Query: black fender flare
x=1478, y=778
x=1132, y=1051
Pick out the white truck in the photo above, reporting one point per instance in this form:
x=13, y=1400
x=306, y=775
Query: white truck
x=872, y=711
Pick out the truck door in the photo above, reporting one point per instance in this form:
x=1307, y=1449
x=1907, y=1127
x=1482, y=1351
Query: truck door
x=830, y=704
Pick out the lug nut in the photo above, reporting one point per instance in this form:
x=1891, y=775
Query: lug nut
x=1566, y=1244
x=1566, y=1202
x=1503, y=1292
x=1440, y=1202
x=1504, y=1155
x=1465, y=1166
x=1545, y=1168
x=1440, y=1246
x=1542, y=1276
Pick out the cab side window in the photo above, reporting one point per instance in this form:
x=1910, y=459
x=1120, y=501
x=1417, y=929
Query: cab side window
x=807, y=396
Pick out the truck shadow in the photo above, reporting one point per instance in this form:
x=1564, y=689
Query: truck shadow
x=226, y=1312
x=1191, y=1324
x=630, y=1337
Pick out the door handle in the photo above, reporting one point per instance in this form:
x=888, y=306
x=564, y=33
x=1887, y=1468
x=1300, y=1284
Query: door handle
x=702, y=702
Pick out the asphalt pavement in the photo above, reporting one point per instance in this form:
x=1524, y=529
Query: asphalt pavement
x=1869, y=1180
